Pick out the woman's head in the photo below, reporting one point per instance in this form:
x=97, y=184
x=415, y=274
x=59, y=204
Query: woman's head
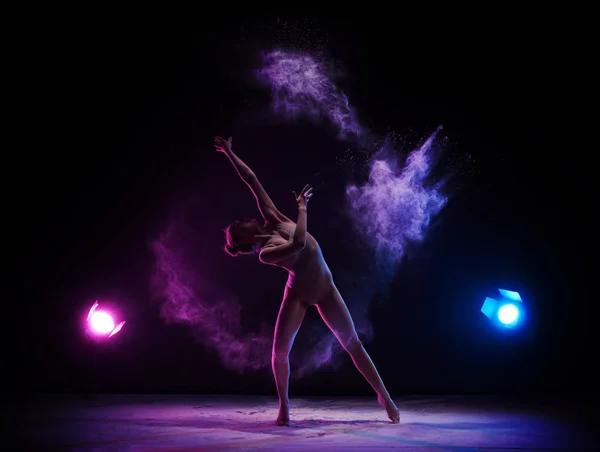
x=242, y=237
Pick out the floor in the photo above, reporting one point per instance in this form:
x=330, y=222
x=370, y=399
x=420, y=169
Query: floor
x=245, y=423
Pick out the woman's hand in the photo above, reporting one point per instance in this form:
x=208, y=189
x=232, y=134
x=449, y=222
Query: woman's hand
x=222, y=145
x=304, y=196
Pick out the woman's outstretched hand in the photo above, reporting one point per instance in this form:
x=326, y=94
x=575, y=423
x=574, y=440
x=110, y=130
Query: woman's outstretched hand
x=304, y=196
x=222, y=145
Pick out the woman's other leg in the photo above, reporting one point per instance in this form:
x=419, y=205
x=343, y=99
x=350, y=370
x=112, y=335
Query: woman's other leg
x=291, y=315
x=335, y=313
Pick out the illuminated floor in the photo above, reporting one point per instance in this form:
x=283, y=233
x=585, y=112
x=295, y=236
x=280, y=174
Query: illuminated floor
x=201, y=423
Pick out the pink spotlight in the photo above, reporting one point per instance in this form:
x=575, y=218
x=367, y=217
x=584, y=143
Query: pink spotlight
x=102, y=323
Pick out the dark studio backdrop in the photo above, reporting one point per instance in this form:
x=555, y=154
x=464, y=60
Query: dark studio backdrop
x=132, y=115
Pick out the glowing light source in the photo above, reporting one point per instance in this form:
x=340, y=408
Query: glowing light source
x=101, y=323
x=508, y=314
x=505, y=312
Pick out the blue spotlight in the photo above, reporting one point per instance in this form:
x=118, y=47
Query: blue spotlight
x=506, y=311
x=508, y=314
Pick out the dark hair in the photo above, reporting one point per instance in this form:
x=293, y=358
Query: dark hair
x=237, y=237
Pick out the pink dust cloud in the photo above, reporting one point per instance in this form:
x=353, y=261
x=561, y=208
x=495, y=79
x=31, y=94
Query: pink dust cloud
x=188, y=298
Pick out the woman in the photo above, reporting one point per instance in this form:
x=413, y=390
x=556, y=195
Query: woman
x=286, y=244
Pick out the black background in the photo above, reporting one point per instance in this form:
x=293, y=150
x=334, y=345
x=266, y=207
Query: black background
x=127, y=117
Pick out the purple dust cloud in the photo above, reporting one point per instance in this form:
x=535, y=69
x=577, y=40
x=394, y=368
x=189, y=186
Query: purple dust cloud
x=186, y=299
x=391, y=209
x=302, y=86
x=397, y=202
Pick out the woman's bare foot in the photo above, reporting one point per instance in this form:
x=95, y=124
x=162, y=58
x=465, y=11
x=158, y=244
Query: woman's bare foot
x=392, y=410
x=283, y=418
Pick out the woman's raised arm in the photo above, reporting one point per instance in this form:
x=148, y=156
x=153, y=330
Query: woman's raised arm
x=267, y=208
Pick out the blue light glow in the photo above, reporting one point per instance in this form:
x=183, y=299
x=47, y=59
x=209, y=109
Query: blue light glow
x=507, y=311
x=489, y=307
x=510, y=295
x=508, y=314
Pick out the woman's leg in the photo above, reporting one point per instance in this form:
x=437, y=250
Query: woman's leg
x=335, y=313
x=291, y=315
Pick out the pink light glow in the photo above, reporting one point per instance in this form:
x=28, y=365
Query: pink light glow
x=102, y=322
x=117, y=329
x=92, y=309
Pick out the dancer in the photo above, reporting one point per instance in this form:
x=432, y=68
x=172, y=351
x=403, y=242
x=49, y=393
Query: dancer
x=286, y=244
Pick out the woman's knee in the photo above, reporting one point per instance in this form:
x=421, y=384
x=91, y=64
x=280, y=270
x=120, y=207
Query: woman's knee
x=351, y=342
x=280, y=355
